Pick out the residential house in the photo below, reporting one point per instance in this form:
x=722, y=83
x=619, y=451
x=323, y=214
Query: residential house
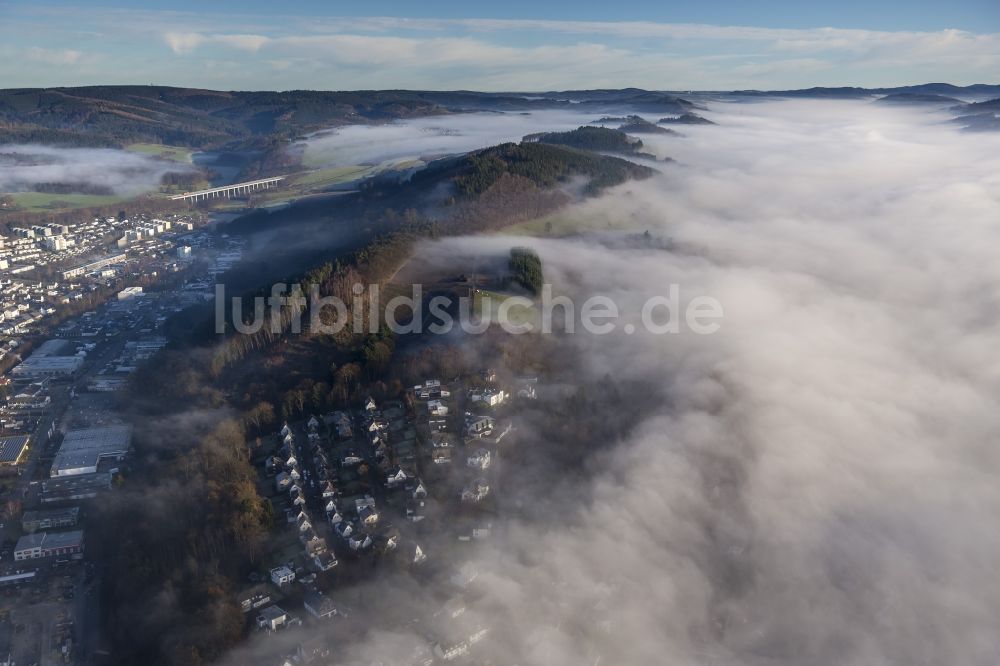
x=319, y=605
x=325, y=561
x=479, y=426
x=359, y=541
x=479, y=460
x=282, y=575
x=476, y=491
x=272, y=618
x=490, y=396
x=395, y=478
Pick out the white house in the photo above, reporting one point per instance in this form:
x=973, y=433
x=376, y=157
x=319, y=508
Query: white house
x=490, y=396
x=395, y=478
x=271, y=618
x=282, y=575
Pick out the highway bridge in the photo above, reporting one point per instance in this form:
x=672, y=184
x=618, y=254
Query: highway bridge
x=229, y=190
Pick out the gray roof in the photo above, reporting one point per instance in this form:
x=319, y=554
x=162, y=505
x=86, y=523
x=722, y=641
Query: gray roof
x=51, y=514
x=85, y=448
x=272, y=612
x=50, y=540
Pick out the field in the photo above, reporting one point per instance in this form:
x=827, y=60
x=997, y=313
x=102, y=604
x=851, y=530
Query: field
x=487, y=305
x=172, y=153
x=332, y=176
x=44, y=201
x=320, y=180
x=567, y=223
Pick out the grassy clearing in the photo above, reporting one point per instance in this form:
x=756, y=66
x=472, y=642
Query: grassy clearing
x=332, y=176
x=566, y=223
x=44, y=201
x=487, y=303
x=172, y=153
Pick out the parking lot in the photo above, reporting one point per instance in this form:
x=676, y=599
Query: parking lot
x=37, y=618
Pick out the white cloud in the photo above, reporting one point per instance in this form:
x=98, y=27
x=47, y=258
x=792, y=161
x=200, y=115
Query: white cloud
x=54, y=56
x=474, y=54
x=186, y=42
x=503, y=54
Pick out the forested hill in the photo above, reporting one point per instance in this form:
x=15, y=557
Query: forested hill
x=589, y=137
x=116, y=115
x=545, y=165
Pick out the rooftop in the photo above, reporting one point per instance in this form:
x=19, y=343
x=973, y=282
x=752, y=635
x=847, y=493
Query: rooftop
x=12, y=448
x=50, y=540
x=85, y=448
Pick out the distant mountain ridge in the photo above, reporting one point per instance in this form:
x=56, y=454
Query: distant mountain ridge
x=117, y=115
x=848, y=92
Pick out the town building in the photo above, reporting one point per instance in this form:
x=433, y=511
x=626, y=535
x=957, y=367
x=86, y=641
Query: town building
x=92, y=266
x=13, y=449
x=82, y=451
x=48, y=544
x=72, y=488
x=47, y=519
x=318, y=604
x=282, y=575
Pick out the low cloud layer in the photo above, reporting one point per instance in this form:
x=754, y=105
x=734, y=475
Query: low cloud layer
x=817, y=482
x=27, y=167
x=431, y=137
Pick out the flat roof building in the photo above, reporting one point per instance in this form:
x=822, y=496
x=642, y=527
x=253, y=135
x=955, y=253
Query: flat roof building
x=48, y=366
x=47, y=519
x=12, y=449
x=83, y=450
x=48, y=544
x=93, y=266
x=72, y=488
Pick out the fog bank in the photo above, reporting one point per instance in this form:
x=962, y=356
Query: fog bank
x=26, y=167
x=818, y=484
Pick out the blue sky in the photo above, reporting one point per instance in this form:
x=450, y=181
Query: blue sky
x=509, y=45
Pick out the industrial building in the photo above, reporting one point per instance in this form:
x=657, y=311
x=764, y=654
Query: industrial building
x=129, y=293
x=51, y=359
x=48, y=544
x=73, y=488
x=13, y=448
x=47, y=519
x=82, y=451
x=48, y=366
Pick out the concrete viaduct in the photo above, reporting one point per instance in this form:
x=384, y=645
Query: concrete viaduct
x=229, y=190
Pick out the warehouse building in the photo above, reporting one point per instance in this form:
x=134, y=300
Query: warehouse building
x=54, y=358
x=73, y=488
x=48, y=544
x=48, y=366
x=47, y=519
x=82, y=451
